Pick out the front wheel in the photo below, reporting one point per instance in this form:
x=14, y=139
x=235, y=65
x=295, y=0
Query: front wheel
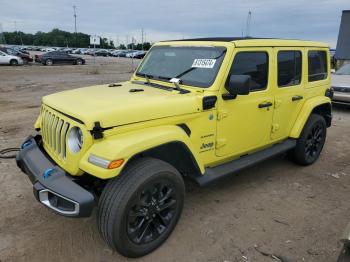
x=48, y=62
x=14, y=62
x=311, y=141
x=79, y=62
x=138, y=210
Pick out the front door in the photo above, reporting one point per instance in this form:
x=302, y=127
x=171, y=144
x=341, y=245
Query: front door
x=244, y=123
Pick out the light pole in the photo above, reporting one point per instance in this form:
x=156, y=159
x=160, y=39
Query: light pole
x=75, y=24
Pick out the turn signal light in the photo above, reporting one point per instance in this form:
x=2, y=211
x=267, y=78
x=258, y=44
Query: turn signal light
x=115, y=163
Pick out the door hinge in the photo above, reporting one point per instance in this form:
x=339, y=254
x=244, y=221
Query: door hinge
x=278, y=102
x=221, y=115
x=275, y=128
x=220, y=143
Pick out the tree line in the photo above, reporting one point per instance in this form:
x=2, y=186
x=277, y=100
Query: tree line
x=59, y=38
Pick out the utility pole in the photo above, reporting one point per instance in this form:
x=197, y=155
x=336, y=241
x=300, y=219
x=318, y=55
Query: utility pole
x=20, y=36
x=249, y=18
x=142, y=38
x=75, y=23
x=2, y=37
x=127, y=41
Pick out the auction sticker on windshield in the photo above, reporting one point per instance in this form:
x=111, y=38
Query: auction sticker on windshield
x=204, y=63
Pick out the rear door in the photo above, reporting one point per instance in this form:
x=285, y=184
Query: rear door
x=289, y=89
x=244, y=123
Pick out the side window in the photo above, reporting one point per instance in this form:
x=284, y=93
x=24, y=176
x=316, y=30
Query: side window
x=254, y=64
x=317, y=61
x=289, y=68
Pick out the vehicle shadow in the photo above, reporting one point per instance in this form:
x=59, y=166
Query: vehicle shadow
x=345, y=108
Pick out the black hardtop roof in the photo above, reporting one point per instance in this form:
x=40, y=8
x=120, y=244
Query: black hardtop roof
x=219, y=39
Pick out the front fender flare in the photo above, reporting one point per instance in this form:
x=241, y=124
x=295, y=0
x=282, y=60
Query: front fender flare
x=126, y=145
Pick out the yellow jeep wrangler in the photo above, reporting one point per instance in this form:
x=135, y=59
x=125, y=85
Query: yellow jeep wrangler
x=198, y=108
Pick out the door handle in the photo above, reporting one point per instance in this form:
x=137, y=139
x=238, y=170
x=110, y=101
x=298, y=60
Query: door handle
x=265, y=104
x=296, y=98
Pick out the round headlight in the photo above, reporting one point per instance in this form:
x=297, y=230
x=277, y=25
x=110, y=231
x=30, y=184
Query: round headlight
x=75, y=139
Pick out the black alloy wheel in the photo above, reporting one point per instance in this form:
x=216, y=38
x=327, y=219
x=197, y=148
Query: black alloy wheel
x=311, y=141
x=314, y=141
x=139, y=209
x=151, y=211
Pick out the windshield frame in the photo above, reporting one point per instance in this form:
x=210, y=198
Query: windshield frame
x=185, y=83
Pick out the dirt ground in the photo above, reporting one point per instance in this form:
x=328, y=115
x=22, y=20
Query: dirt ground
x=293, y=212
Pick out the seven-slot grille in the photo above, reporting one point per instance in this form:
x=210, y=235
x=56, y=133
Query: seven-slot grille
x=54, y=131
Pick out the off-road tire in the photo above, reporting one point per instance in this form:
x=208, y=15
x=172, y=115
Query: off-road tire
x=116, y=204
x=48, y=62
x=310, y=143
x=13, y=62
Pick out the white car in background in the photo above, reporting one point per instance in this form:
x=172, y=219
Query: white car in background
x=341, y=85
x=6, y=59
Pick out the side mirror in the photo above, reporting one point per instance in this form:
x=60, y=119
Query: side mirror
x=239, y=85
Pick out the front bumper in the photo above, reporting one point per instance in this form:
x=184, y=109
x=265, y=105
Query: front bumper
x=51, y=185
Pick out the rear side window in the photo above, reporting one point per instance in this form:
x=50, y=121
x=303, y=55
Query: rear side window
x=317, y=61
x=289, y=68
x=254, y=64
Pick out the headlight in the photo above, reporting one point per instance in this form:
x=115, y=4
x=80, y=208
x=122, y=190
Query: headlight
x=75, y=139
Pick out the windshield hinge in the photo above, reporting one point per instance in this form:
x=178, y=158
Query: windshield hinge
x=221, y=115
x=97, y=131
x=220, y=143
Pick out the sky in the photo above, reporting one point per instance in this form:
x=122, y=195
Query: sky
x=176, y=19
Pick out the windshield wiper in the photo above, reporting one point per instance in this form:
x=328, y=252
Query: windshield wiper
x=176, y=82
x=147, y=76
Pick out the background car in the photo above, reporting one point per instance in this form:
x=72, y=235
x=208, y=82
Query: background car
x=24, y=56
x=140, y=54
x=59, y=57
x=123, y=53
x=101, y=52
x=341, y=85
x=6, y=59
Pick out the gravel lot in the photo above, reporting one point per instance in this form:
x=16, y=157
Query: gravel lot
x=297, y=213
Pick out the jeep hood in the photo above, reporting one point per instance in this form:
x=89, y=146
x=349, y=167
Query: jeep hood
x=119, y=105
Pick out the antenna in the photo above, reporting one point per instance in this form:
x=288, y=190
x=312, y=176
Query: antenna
x=249, y=18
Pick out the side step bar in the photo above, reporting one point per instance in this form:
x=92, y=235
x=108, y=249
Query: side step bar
x=214, y=173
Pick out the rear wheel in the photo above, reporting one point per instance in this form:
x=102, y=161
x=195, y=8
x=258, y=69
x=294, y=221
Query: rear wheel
x=79, y=62
x=48, y=62
x=138, y=210
x=13, y=62
x=311, y=141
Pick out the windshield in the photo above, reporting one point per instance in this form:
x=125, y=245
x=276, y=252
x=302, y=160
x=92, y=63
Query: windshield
x=195, y=66
x=344, y=70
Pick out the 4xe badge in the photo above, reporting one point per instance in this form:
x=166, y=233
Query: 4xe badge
x=206, y=146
